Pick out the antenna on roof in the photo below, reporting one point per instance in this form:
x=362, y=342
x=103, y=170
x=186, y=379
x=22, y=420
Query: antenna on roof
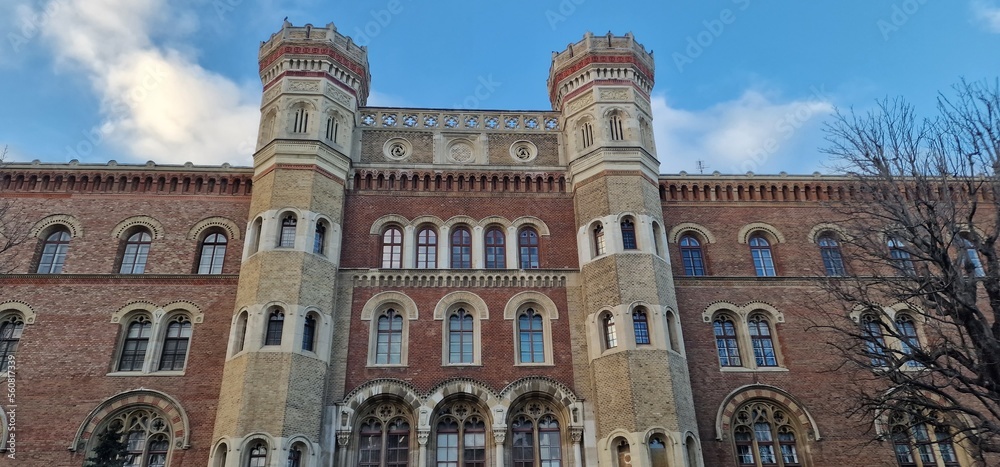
x=702, y=166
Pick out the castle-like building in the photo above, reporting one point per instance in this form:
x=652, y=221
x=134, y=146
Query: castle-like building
x=422, y=287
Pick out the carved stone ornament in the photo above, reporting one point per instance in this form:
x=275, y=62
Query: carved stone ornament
x=581, y=102
x=461, y=152
x=303, y=85
x=576, y=434
x=614, y=94
x=500, y=436
x=333, y=93
x=397, y=149
x=523, y=151
x=343, y=437
x=423, y=436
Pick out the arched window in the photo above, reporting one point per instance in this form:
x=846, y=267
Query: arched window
x=220, y=455
x=139, y=437
x=535, y=438
x=640, y=324
x=833, y=260
x=760, y=251
x=175, y=344
x=295, y=457
x=624, y=454
x=385, y=437
x=671, y=325
x=461, y=248
x=760, y=337
x=692, y=256
x=628, y=234
x=286, y=239
x=136, y=342
x=969, y=256
x=213, y=254
x=332, y=128
x=527, y=244
x=599, y=245
x=909, y=341
x=726, y=341
x=874, y=340
x=258, y=455
x=496, y=249
x=10, y=334
x=658, y=452
x=900, y=257
x=309, y=333
x=300, y=124
x=461, y=339
x=586, y=135
x=460, y=438
x=914, y=446
x=392, y=248
x=241, y=332
x=610, y=334
x=275, y=326
x=136, y=252
x=531, y=337
x=389, y=340
x=426, y=248
x=691, y=452
x=255, y=235
x=764, y=436
x=319, y=238
x=54, y=252
x=657, y=241
x=617, y=130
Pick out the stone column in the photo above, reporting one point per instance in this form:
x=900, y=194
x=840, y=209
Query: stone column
x=422, y=436
x=576, y=434
x=499, y=436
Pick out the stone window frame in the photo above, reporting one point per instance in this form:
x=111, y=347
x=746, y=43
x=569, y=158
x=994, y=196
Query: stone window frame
x=376, y=306
x=888, y=319
x=546, y=308
x=431, y=259
x=53, y=236
x=700, y=233
x=609, y=330
x=454, y=247
x=741, y=316
x=160, y=318
x=283, y=219
x=202, y=238
x=47, y=226
x=661, y=333
x=21, y=311
x=249, y=326
x=838, y=235
x=387, y=259
x=477, y=308
x=888, y=421
x=279, y=312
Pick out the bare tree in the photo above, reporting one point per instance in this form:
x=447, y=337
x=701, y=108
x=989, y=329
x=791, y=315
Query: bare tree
x=923, y=286
x=13, y=230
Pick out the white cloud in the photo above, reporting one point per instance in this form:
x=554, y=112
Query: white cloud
x=752, y=133
x=988, y=13
x=156, y=102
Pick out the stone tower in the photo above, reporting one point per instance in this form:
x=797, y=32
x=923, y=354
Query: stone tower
x=279, y=357
x=634, y=369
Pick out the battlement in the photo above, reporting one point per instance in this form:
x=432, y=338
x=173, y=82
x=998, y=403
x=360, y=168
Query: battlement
x=308, y=34
x=607, y=44
x=610, y=59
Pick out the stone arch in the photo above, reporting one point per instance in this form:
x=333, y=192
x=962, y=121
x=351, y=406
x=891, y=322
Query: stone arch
x=675, y=233
x=446, y=302
x=558, y=392
x=160, y=401
x=219, y=222
x=27, y=313
x=361, y=395
x=436, y=221
x=154, y=226
x=820, y=229
x=382, y=298
x=130, y=307
x=519, y=299
x=531, y=221
x=742, y=311
x=495, y=221
x=747, y=230
x=462, y=387
x=381, y=223
x=72, y=224
x=740, y=395
x=194, y=311
x=455, y=220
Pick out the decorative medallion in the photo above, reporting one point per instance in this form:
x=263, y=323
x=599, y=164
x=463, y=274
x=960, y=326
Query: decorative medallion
x=523, y=151
x=461, y=152
x=397, y=149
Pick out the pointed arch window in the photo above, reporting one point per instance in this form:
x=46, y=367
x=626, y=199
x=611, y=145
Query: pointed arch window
x=833, y=260
x=610, y=333
x=535, y=437
x=175, y=344
x=914, y=445
x=527, y=242
x=726, y=341
x=763, y=344
x=384, y=438
x=764, y=436
x=136, y=252
x=10, y=334
x=969, y=256
x=392, y=248
x=871, y=328
x=531, y=337
x=309, y=333
x=586, y=135
x=213, y=254
x=286, y=238
x=300, y=124
x=460, y=438
x=389, y=338
x=144, y=434
x=692, y=256
x=909, y=341
x=628, y=234
x=461, y=248
x=332, y=129
x=295, y=457
x=275, y=326
x=54, y=250
x=136, y=342
x=426, y=248
x=640, y=324
x=461, y=337
x=258, y=455
x=600, y=247
x=900, y=257
x=760, y=251
x=617, y=129
x=658, y=452
x=624, y=454
x=496, y=249
x=319, y=238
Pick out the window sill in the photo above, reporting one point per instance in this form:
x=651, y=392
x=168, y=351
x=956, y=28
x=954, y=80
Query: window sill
x=763, y=369
x=388, y=365
x=461, y=365
x=542, y=364
x=140, y=373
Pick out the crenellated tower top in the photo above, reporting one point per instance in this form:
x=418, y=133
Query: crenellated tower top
x=308, y=51
x=599, y=60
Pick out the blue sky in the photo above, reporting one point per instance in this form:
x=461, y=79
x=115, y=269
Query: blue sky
x=740, y=84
